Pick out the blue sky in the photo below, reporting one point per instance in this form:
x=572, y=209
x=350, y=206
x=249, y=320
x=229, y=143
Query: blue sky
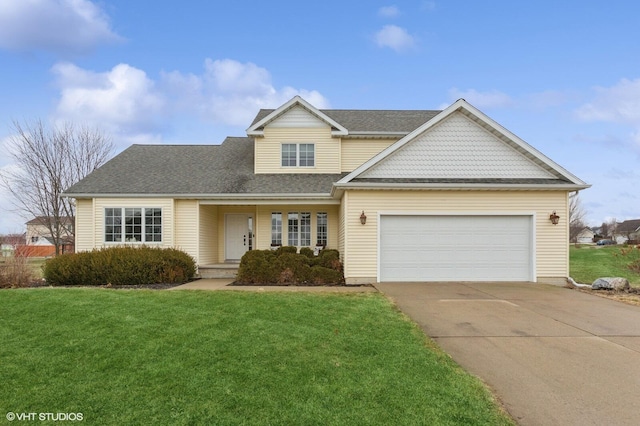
x=564, y=76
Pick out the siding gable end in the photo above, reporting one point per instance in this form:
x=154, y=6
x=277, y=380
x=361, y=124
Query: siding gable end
x=298, y=117
x=457, y=148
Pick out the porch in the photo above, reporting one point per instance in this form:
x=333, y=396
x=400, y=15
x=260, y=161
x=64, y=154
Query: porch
x=224, y=232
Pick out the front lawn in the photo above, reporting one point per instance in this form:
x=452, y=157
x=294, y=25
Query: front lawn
x=178, y=357
x=587, y=263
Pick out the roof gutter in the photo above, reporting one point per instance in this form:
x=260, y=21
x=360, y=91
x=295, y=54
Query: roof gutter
x=459, y=186
x=279, y=196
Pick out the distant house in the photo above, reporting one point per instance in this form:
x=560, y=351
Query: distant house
x=38, y=234
x=629, y=230
x=9, y=243
x=585, y=236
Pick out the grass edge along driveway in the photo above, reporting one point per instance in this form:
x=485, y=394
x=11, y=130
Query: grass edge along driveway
x=154, y=357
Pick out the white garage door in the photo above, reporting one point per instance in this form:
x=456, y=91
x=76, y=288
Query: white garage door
x=456, y=248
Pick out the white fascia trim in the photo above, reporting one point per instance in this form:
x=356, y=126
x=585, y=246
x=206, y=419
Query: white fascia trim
x=285, y=201
x=296, y=100
x=461, y=104
x=283, y=196
x=460, y=186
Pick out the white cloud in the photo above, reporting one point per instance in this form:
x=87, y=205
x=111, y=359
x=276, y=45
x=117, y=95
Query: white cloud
x=62, y=26
x=134, y=108
x=394, y=37
x=488, y=99
x=389, y=12
x=617, y=104
x=231, y=92
x=123, y=99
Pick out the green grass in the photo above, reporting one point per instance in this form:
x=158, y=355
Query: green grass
x=178, y=357
x=587, y=263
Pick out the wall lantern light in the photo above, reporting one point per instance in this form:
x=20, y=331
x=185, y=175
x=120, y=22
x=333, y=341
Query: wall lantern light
x=363, y=218
x=554, y=218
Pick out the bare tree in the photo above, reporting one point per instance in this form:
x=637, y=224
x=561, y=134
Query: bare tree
x=576, y=217
x=47, y=161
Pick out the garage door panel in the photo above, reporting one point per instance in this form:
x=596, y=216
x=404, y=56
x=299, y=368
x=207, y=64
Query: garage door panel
x=455, y=248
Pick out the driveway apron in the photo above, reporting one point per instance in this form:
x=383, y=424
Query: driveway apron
x=552, y=355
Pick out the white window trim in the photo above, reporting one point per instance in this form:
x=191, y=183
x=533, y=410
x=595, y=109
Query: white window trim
x=297, y=145
x=123, y=225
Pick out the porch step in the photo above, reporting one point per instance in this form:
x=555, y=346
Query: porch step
x=222, y=270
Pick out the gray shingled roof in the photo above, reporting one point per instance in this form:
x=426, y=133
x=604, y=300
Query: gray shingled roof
x=372, y=120
x=195, y=169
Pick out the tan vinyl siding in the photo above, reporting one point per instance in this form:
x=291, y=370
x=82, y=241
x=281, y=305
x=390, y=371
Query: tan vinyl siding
x=355, y=152
x=298, y=117
x=166, y=204
x=268, y=150
x=263, y=223
x=208, y=235
x=186, y=227
x=84, y=225
x=551, y=241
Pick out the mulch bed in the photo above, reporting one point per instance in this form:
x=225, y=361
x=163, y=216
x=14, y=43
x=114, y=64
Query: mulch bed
x=630, y=295
x=236, y=283
x=43, y=284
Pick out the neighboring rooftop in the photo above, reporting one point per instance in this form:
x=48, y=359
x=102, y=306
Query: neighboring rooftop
x=628, y=226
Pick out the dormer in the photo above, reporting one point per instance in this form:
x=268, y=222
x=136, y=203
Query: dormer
x=296, y=138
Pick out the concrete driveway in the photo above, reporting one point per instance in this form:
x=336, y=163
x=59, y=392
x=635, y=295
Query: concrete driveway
x=553, y=356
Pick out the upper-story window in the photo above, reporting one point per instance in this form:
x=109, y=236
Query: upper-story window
x=298, y=155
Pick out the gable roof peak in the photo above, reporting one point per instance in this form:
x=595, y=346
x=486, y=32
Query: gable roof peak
x=473, y=114
x=257, y=128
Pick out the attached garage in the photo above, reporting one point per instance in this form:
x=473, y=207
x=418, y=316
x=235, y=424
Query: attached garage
x=456, y=248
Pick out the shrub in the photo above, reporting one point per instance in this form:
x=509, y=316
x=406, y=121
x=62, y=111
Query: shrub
x=15, y=272
x=306, y=251
x=286, y=249
x=630, y=256
x=120, y=266
x=293, y=268
x=319, y=275
x=329, y=258
x=257, y=267
x=286, y=267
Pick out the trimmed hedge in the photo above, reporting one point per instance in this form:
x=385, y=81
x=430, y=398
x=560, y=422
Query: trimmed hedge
x=120, y=266
x=286, y=267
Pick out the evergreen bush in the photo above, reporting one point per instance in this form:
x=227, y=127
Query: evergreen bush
x=121, y=265
x=285, y=266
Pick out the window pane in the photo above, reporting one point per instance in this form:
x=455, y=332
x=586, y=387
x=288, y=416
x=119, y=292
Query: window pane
x=133, y=224
x=305, y=229
x=276, y=228
x=153, y=225
x=112, y=225
x=322, y=229
x=288, y=155
x=307, y=155
x=293, y=229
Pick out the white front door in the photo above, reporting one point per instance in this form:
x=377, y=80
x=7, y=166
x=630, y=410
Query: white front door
x=237, y=236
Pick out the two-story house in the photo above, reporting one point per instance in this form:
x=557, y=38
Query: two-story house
x=416, y=195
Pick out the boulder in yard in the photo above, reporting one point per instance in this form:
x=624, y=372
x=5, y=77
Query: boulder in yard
x=610, y=283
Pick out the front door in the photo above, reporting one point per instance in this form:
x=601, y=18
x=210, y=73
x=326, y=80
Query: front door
x=237, y=237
